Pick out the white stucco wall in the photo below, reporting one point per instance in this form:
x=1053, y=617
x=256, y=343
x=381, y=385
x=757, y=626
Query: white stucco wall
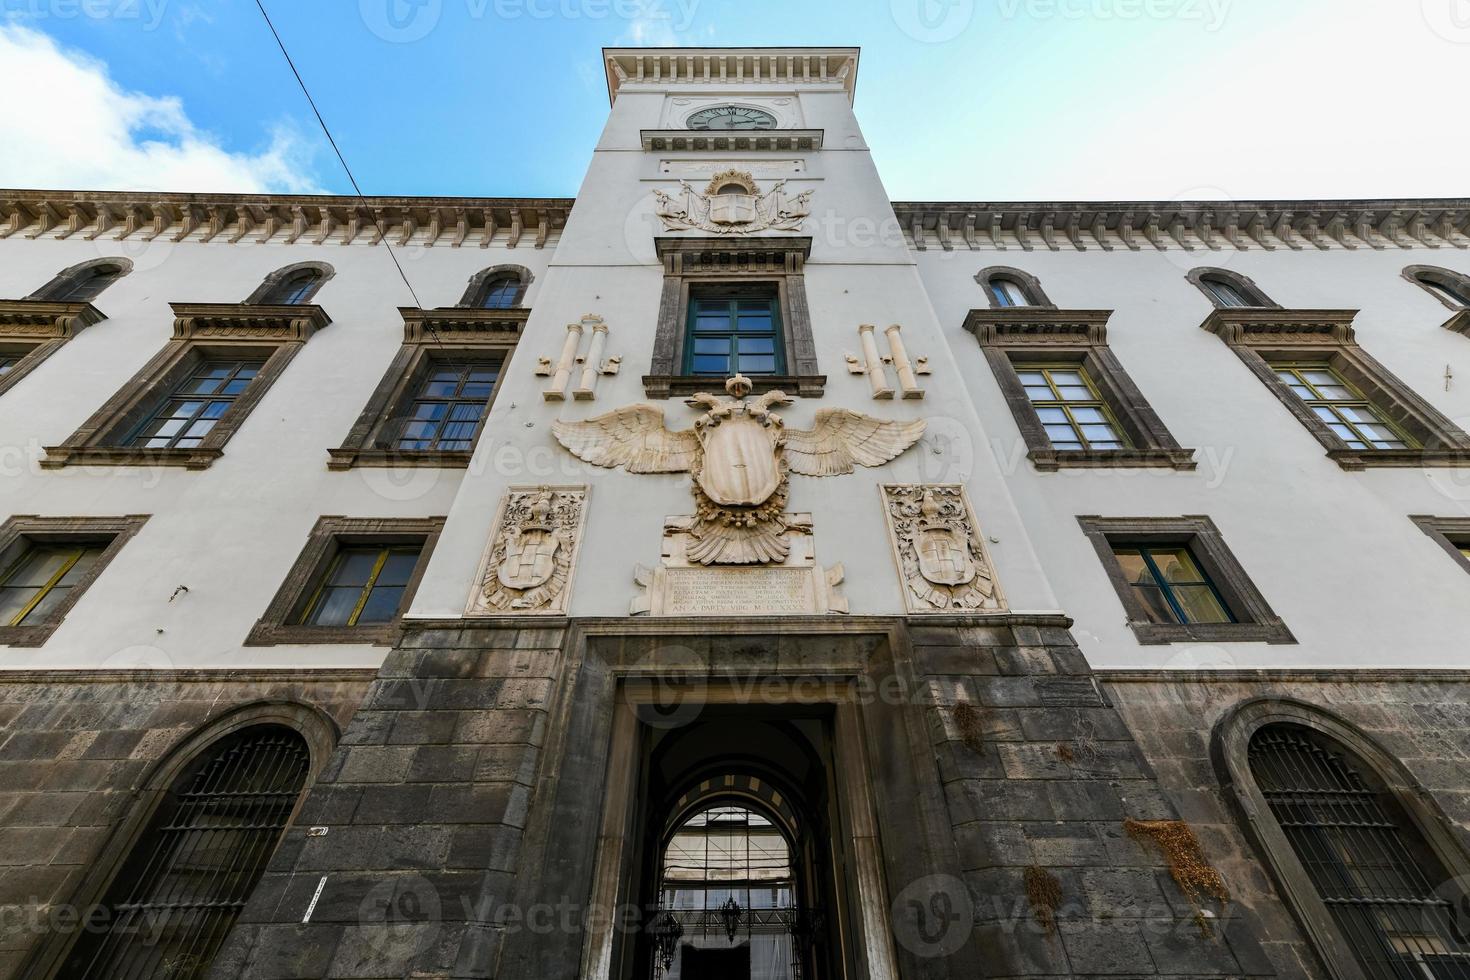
x=1333, y=552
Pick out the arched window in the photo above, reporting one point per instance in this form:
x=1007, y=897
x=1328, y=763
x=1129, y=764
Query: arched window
x=501, y=287
x=291, y=286
x=1227, y=290
x=501, y=294
x=174, y=899
x=1006, y=287
x=82, y=283
x=727, y=894
x=1385, y=890
x=1450, y=288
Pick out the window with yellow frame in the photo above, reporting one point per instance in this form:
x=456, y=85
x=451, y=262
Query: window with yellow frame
x=42, y=577
x=1071, y=411
x=364, y=585
x=1341, y=407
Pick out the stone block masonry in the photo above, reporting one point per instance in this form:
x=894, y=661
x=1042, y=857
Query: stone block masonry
x=76, y=751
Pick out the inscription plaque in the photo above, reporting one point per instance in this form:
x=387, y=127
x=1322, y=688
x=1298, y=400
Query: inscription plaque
x=796, y=587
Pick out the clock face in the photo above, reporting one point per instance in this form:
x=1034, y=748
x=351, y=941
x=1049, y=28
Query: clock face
x=731, y=117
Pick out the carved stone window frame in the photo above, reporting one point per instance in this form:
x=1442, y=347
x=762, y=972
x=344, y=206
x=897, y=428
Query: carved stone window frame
x=328, y=536
x=692, y=263
x=445, y=335
x=1423, y=275
x=1229, y=751
x=35, y=329
x=323, y=270
x=1242, y=284
x=479, y=281
x=1255, y=620
x=1030, y=285
x=1265, y=337
x=71, y=274
x=201, y=330
x=1447, y=532
x=22, y=531
x=1009, y=335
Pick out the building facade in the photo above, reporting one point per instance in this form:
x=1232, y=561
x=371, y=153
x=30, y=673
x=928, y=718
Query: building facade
x=733, y=573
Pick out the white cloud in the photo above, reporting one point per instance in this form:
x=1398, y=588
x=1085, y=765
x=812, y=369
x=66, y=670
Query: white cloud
x=67, y=124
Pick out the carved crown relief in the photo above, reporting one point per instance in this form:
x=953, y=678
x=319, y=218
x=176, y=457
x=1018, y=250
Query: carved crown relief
x=528, y=565
x=942, y=562
x=739, y=454
x=732, y=203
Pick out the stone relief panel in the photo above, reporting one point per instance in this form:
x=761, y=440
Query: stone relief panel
x=732, y=203
x=943, y=565
x=532, y=552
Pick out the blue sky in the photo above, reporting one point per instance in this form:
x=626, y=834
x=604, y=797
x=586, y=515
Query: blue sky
x=979, y=99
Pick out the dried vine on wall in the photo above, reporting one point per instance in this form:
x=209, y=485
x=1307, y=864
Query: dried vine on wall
x=1044, y=892
x=970, y=722
x=1194, y=875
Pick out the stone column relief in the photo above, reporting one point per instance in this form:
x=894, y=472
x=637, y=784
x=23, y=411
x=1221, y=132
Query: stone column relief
x=532, y=552
x=593, y=364
x=873, y=364
x=943, y=565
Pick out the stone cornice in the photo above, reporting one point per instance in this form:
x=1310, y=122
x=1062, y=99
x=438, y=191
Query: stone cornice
x=43, y=319
x=247, y=321
x=1038, y=325
x=1192, y=226
x=285, y=219
x=730, y=66
x=462, y=325
x=686, y=256
x=1252, y=327
x=674, y=140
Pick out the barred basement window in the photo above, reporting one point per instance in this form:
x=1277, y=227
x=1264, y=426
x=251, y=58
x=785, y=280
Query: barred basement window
x=1384, y=889
x=193, y=869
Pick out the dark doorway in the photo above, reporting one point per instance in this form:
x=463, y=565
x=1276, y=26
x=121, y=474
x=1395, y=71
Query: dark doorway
x=739, y=851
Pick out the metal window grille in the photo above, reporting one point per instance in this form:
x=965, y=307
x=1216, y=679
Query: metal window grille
x=174, y=900
x=1384, y=889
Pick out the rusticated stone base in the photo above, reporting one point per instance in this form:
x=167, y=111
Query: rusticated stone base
x=475, y=778
x=76, y=748
x=1422, y=719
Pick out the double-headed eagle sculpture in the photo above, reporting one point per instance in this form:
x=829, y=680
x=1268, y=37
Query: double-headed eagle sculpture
x=740, y=455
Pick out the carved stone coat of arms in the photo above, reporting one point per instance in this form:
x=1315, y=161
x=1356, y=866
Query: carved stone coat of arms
x=732, y=203
x=942, y=561
x=528, y=564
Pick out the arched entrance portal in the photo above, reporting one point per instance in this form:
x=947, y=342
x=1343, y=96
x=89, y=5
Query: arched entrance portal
x=739, y=879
